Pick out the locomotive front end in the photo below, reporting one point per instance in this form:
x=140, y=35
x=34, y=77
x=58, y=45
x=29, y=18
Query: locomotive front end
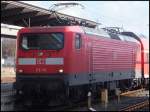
x=40, y=63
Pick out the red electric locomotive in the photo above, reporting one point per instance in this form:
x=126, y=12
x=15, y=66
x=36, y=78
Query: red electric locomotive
x=68, y=61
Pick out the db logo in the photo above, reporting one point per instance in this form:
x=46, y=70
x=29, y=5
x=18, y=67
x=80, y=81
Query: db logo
x=40, y=61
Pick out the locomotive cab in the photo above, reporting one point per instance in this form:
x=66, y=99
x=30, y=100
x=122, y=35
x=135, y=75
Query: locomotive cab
x=41, y=55
x=39, y=51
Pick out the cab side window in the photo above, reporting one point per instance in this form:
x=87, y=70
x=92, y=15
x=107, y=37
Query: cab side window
x=77, y=41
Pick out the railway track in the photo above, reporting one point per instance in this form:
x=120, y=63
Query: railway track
x=126, y=103
x=136, y=106
x=66, y=107
x=8, y=98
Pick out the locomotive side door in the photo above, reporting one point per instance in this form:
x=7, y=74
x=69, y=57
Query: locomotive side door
x=89, y=61
x=89, y=56
x=78, y=52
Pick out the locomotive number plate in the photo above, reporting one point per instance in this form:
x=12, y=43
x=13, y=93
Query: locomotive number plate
x=40, y=61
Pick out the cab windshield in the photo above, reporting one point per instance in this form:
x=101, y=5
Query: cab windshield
x=47, y=41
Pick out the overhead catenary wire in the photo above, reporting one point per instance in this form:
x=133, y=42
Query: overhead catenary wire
x=109, y=20
x=55, y=8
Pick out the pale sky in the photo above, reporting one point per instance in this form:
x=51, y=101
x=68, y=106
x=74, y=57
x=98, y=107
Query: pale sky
x=132, y=15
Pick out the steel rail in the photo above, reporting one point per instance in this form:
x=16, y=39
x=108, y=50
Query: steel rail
x=136, y=106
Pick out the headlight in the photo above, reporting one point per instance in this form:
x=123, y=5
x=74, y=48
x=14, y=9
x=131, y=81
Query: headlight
x=20, y=70
x=61, y=71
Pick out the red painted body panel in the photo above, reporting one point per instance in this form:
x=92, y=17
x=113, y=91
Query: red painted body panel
x=96, y=54
x=112, y=55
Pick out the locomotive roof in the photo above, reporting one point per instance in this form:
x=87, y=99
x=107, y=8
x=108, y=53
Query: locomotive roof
x=57, y=28
x=81, y=29
x=104, y=33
